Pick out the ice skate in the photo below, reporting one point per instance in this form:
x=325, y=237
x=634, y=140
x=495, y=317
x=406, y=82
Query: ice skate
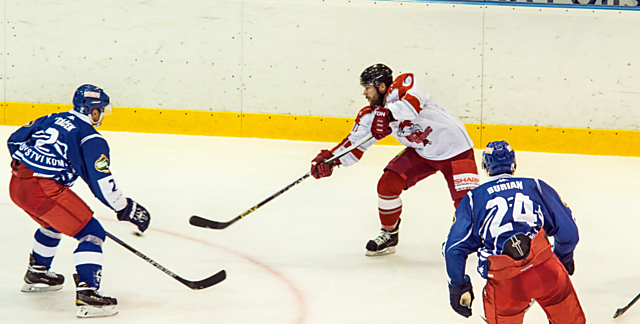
x=40, y=279
x=385, y=243
x=91, y=303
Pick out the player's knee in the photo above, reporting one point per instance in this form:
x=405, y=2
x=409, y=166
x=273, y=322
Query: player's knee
x=391, y=184
x=93, y=229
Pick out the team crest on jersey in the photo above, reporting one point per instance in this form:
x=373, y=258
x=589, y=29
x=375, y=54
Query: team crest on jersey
x=102, y=164
x=414, y=133
x=28, y=124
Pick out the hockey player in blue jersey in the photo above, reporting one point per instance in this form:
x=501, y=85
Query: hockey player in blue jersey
x=48, y=155
x=506, y=221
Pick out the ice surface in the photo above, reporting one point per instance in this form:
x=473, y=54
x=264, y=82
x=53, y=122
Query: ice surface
x=300, y=258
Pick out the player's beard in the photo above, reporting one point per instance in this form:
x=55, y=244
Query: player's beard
x=377, y=101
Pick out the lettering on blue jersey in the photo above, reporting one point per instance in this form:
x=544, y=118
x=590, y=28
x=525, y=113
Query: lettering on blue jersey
x=505, y=186
x=102, y=164
x=35, y=157
x=66, y=124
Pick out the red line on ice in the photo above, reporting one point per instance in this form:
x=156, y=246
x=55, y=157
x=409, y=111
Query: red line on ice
x=302, y=304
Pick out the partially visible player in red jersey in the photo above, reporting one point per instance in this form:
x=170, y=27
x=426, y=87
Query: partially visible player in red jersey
x=435, y=140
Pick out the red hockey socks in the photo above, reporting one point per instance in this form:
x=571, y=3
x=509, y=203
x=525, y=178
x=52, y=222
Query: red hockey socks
x=390, y=187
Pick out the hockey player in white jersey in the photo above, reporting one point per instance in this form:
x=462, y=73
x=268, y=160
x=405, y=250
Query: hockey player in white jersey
x=435, y=140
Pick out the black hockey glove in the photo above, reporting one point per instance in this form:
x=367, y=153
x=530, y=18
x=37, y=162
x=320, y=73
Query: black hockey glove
x=568, y=263
x=461, y=297
x=135, y=214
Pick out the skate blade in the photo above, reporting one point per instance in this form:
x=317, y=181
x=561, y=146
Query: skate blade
x=93, y=311
x=387, y=251
x=31, y=288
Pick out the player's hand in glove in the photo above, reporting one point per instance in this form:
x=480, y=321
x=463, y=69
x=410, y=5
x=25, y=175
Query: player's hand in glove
x=135, y=214
x=568, y=263
x=319, y=167
x=461, y=297
x=380, y=126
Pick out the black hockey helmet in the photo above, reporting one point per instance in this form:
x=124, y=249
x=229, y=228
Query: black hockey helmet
x=375, y=74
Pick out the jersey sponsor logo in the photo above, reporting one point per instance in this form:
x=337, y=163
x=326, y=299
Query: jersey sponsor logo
x=32, y=155
x=92, y=94
x=414, y=133
x=465, y=181
x=102, y=164
x=505, y=186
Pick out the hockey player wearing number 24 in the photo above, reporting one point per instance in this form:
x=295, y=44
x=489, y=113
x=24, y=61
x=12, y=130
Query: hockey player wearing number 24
x=436, y=140
x=506, y=221
x=48, y=155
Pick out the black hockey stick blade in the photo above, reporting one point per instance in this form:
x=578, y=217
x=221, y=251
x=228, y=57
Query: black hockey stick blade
x=622, y=310
x=195, y=285
x=207, y=223
x=204, y=283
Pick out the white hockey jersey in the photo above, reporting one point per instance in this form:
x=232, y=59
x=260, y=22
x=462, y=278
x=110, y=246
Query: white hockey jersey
x=434, y=132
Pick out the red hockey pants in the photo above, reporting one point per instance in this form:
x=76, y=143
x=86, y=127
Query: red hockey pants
x=541, y=276
x=49, y=203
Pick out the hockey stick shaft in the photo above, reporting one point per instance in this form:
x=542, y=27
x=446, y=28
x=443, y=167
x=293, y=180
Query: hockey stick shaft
x=621, y=311
x=203, y=222
x=195, y=285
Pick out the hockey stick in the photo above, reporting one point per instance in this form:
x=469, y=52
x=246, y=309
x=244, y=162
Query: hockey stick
x=195, y=285
x=621, y=311
x=207, y=223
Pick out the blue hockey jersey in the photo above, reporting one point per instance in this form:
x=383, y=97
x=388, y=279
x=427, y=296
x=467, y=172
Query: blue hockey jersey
x=63, y=146
x=500, y=208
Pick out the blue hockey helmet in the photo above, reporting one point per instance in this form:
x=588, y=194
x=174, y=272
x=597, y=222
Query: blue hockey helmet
x=498, y=158
x=89, y=97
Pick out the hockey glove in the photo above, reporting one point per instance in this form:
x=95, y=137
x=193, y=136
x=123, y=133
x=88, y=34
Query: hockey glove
x=461, y=297
x=380, y=126
x=568, y=263
x=135, y=214
x=319, y=167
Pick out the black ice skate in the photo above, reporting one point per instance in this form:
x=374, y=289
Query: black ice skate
x=385, y=243
x=39, y=278
x=91, y=303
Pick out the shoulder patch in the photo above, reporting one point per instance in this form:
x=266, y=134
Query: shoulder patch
x=363, y=112
x=399, y=87
x=102, y=164
x=29, y=124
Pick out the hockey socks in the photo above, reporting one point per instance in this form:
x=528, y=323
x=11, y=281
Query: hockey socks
x=390, y=187
x=88, y=254
x=45, y=246
x=38, y=277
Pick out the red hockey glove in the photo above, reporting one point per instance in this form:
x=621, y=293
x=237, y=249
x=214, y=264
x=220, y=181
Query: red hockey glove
x=319, y=167
x=380, y=126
